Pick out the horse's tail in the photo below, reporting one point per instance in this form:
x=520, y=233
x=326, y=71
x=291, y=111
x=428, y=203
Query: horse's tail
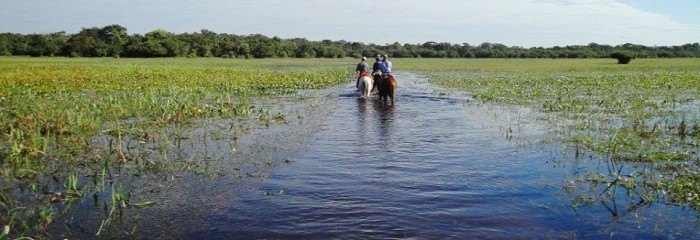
x=361, y=86
x=365, y=86
x=392, y=87
x=392, y=81
x=368, y=86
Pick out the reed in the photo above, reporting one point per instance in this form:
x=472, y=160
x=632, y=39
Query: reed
x=89, y=118
x=643, y=114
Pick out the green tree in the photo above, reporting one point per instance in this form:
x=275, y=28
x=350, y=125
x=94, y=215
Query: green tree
x=37, y=45
x=161, y=43
x=87, y=43
x=45, y=44
x=261, y=46
x=113, y=40
x=622, y=57
x=6, y=44
x=115, y=37
x=227, y=46
x=157, y=43
x=286, y=49
x=201, y=43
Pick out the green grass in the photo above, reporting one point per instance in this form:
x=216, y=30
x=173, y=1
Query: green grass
x=517, y=65
x=644, y=113
x=52, y=109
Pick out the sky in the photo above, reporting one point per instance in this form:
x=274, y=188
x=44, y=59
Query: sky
x=525, y=23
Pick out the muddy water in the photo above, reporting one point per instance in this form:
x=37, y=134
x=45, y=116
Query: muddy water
x=434, y=164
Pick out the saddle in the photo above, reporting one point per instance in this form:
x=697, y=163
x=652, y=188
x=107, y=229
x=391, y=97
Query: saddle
x=364, y=74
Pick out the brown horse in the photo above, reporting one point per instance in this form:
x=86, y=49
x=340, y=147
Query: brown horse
x=387, y=88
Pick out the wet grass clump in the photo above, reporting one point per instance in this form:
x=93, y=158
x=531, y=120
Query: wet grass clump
x=643, y=115
x=70, y=127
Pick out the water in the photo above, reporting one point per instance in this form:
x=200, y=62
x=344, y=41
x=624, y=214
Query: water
x=434, y=165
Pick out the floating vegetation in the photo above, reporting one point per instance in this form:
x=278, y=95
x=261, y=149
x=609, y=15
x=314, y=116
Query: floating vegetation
x=642, y=119
x=71, y=128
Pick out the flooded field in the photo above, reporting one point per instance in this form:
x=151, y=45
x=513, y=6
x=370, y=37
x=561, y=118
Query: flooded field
x=435, y=164
x=285, y=156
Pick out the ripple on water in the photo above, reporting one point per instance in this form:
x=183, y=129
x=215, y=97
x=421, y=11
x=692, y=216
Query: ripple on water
x=427, y=166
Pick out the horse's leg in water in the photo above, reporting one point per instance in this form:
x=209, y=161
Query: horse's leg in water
x=382, y=90
x=392, y=87
x=375, y=84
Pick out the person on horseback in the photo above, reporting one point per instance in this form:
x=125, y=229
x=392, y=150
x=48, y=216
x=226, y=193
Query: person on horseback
x=363, y=70
x=376, y=67
x=386, y=82
x=385, y=66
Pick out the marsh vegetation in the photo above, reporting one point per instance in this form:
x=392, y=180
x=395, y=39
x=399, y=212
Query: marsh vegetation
x=640, y=121
x=74, y=129
x=127, y=138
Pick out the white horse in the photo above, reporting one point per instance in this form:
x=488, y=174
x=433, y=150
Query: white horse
x=365, y=86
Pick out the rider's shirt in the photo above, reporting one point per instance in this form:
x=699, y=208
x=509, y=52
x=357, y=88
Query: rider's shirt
x=385, y=66
x=377, y=66
x=362, y=67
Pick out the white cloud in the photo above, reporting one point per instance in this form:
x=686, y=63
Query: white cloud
x=528, y=22
x=511, y=22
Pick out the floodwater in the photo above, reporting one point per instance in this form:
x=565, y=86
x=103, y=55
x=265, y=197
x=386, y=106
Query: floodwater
x=433, y=165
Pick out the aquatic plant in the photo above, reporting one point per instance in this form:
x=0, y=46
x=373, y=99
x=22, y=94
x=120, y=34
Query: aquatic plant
x=67, y=122
x=644, y=115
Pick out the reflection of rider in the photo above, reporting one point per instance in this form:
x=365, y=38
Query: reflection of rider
x=385, y=66
x=362, y=68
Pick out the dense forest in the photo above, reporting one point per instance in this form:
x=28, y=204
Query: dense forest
x=114, y=41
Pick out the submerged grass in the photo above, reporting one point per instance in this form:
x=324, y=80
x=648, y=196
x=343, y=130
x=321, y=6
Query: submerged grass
x=643, y=114
x=55, y=113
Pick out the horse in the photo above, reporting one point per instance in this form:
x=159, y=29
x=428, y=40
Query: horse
x=387, y=88
x=365, y=85
x=377, y=76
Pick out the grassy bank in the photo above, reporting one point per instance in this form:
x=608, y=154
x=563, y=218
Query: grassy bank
x=67, y=125
x=644, y=114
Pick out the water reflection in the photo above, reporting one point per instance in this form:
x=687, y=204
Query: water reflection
x=385, y=111
x=375, y=116
x=385, y=116
x=425, y=167
x=364, y=113
x=364, y=124
x=620, y=189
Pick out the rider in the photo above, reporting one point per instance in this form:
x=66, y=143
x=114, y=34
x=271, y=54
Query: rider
x=376, y=67
x=363, y=70
x=385, y=66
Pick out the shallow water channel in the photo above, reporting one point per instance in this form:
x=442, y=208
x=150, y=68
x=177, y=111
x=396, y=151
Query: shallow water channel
x=435, y=164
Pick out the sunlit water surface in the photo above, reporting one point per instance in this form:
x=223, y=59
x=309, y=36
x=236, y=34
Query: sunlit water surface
x=434, y=164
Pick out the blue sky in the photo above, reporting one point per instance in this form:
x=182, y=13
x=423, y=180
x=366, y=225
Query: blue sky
x=526, y=23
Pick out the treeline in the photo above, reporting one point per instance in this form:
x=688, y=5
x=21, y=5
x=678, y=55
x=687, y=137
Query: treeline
x=114, y=41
